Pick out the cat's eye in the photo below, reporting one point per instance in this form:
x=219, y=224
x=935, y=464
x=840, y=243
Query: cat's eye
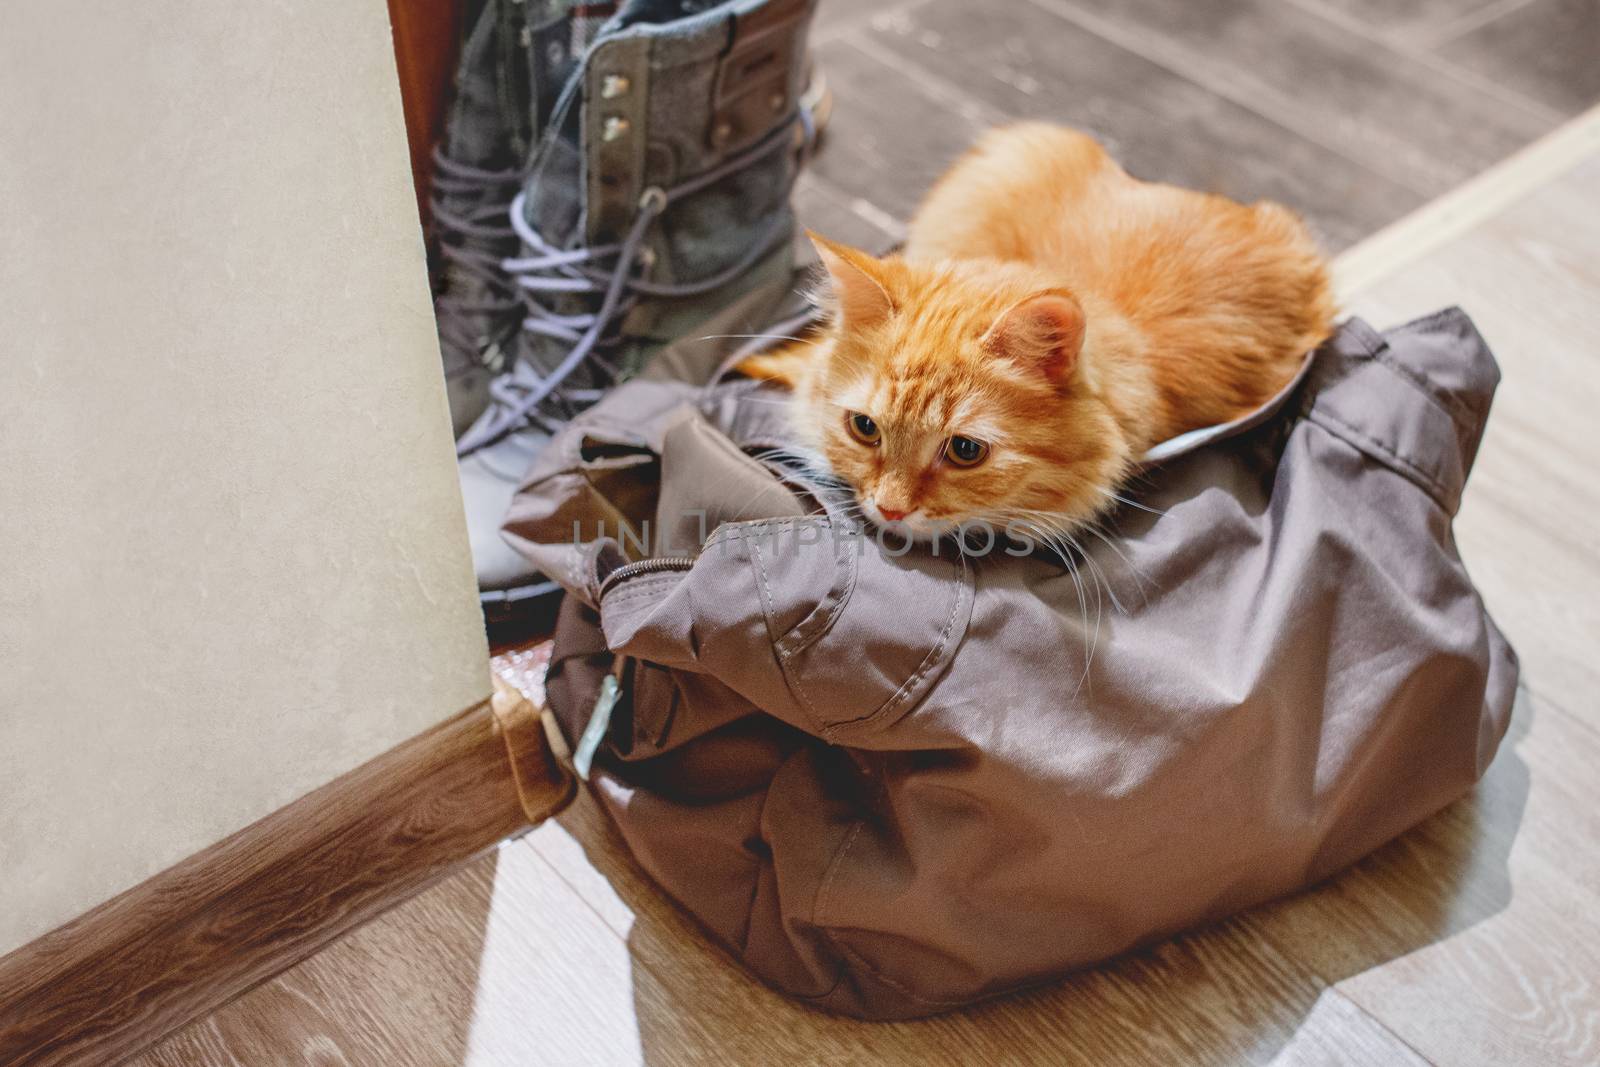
x=965, y=452
x=862, y=428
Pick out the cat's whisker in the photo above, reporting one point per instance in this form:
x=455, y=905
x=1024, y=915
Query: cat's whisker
x=1089, y=639
x=1062, y=545
x=758, y=337
x=1138, y=479
x=1104, y=580
x=1094, y=634
x=1119, y=498
x=1139, y=577
x=1051, y=529
x=798, y=469
x=799, y=461
x=768, y=394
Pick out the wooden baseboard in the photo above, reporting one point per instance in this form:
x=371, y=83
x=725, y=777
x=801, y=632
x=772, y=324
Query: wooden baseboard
x=118, y=978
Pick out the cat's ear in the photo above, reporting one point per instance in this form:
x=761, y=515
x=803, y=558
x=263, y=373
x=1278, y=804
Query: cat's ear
x=1041, y=332
x=862, y=299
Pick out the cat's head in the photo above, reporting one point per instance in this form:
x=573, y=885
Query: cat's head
x=959, y=392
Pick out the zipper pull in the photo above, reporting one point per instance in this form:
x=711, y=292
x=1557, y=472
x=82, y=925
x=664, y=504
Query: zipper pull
x=599, y=721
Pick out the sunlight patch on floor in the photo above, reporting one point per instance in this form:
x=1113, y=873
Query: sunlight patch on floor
x=554, y=982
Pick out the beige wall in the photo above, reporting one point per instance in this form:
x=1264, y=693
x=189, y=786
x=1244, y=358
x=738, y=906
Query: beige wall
x=232, y=561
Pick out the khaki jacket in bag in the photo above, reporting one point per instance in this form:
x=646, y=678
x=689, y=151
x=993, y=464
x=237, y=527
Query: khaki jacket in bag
x=892, y=782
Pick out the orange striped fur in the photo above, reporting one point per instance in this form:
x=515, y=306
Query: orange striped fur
x=1060, y=313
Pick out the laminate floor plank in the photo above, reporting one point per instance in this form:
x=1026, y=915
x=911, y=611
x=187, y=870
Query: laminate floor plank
x=1546, y=49
x=1405, y=18
x=1324, y=82
x=498, y=966
x=1338, y=1033
x=1476, y=937
x=838, y=216
x=889, y=137
x=842, y=18
x=1025, y=62
x=1530, y=582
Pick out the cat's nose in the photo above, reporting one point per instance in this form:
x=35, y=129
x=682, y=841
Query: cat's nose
x=890, y=513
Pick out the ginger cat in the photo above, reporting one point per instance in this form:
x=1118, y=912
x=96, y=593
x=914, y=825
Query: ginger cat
x=1050, y=319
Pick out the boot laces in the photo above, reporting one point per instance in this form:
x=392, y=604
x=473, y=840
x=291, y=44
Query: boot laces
x=610, y=275
x=469, y=206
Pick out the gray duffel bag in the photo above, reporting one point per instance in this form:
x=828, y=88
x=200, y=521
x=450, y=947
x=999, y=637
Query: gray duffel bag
x=895, y=781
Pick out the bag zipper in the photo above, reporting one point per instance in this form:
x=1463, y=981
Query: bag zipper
x=645, y=566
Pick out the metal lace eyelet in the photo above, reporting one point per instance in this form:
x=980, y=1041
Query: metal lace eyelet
x=653, y=200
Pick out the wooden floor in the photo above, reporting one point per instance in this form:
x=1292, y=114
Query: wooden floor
x=1474, y=939
x=1355, y=112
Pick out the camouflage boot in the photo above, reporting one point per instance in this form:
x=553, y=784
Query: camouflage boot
x=655, y=207
x=514, y=62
